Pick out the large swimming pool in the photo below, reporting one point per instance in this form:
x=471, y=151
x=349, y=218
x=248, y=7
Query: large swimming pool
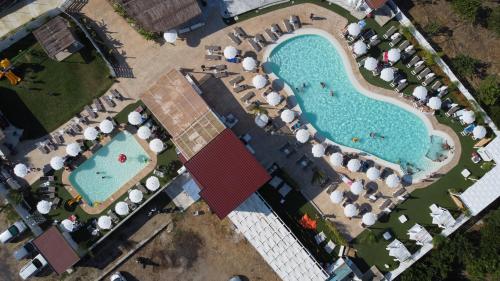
x=102, y=174
x=380, y=128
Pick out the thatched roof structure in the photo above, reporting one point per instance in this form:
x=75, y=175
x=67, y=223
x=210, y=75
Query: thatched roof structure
x=162, y=15
x=55, y=36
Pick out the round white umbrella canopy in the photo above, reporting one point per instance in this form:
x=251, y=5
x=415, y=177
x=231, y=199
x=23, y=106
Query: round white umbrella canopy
x=337, y=159
x=230, y=52
x=357, y=187
x=373, y=173
x=106, y=126
x=249, y=63
x=136, y=196
x=468, y=117
x=273, y=99
x=259, y=81
x=434, y=103
x=287, y=116
x=90, y=133
x=68, y=225
x=144, y=132
x=121, y=208
x=156, y=145
x=152, y=183
x=318, y=150
x=73, y=149
x=350, y=211
x=371, y=63
x=354, y=29
x=353, y=165
x=359, y=48
x=134, y=118
x=43, y=207
x=392, y=181
x=420, y=92
x=387, y=74
x=337, y=196
x=104, y=222
x=302, y=135
x=479, y=132
x=394, y=55
x=170, y=36
x=57, y=163
x=20, y=170
x=261, y=120
x=369, y=219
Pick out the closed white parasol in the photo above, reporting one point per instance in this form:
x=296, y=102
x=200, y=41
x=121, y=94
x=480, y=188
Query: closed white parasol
x=359, y=48
x=259, y=81
x=371, y=63
x=90, y=133
x=73, y=149
x=43, y=207
x=273, y=99
x=479, y=132
x=249, y=64
x=357, y=187
x=369, y=219
x=106, y=126
x=170, y=36
x=420, y=92
x=337, y=159
x=392, y=181
x=135, y=196
x=387, y=74
x=337, y=196
x=394, y=55
x=20, y=170
x=144, y=132
x=468, y=117
x=287, y=116
x=350, y=211
x=156, y=145
x=104, y=222
x=353, y=165
x=230, y=52
x=121, y=208
x=261, y=120
x=68, y=225
x=152, y=183
x=373, y=173
x=434, y=103
x=318, y=150
x=302, y=135
x=134, y=118
x=354, y=29
x=57, y=163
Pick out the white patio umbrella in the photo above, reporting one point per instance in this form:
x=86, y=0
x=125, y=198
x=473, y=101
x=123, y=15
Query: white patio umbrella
x=336, y=159
x=287, y=116
x=134, y=118
x=369, y=219
x=373, y=173
x=359, y=48
x=68, y=225
x=387, y=74
x=73, y=149
x=357, y=187
x=318, y=150
x=90, y=133
x=337, y=196
x=394, y=55
x=106, y=126
x=144, y=132
x=350, y=211
x=121, y=208
x=104, y=222
x=273, y=99
x=230, y=52
x=259, y=81
x=434, y=103
x=420, y=92
x=354, y=29
x=135, y=196
x=170, y=36
x=20, y=170
x=371, y=63
x=156, y=145
x=261, y=120
x=152, y=183
x=468, y=117
x=353, y=165
x=249, y=64
x=43, y=207
x=302, y=135
x=479, y=132
x=392, y=181
x=57, y=163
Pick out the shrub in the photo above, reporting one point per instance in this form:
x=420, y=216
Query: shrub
x=466, y=66
x=489, y=90
x=438, y=241
x=433, y=28
x=494, y=20
x=467, y=9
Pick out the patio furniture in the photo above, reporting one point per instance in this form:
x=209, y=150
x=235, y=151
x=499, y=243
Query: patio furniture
x=385, y=204
x=55, y=203
x=141, y=188
x=260, y=39
x=465, y=173
x=116, y=94
x=90, y=112
x=254, y=45
x=329, y=247
x=276, y=29
x=158, y=173
x=436, y=85
x=240, y=32
x=220, y=67
x=389, y=32
x=304, y=161
x=271, y=35
x=387, y=235
x=295, y=21
x=403, y=45
x=236, y=80
x=47, y=189
x=341, y=251
x=48, y=196
x=240, y=88
x=401, y=87
x=114, y=218
x=288, y=26
x=402, y=219
x=320, y=237
x=373, y=42
x=429, y=79
x=132, y=206
x=247, y=97
x=98, y=105
x=424, y=73
x=395, y=40
x=213, y=57
x=212, y=48
x=109, y=102
x=221, y=74
x=417, y=68
x=287, y=149
x=284, y=190
x=233, y=38
x=398, y=192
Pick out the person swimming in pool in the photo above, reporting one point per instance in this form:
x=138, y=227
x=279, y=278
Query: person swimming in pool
x=331, y=93
x=323, y=85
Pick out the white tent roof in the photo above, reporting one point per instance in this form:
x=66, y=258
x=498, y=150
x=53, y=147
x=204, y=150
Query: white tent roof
x=144, y=132
x=249, y=63
x=468, y=117
x=68, y=225
x=357, y=187
x=273, y=99
x=43, y=207
x=156, y=145
x=373, y=173
x=261, y=120
x=419, y=233
x=353, y=165
x=106, y=126
x=134, y=118
x=73, y=149
x=392, y=181
x=170, y=36
x=135, y=196
x=104, y=222
x=398, y=250
x=90, y=133
x=350, y=211
x=337, y=196
x=230, y=52
x=359, y=48
x=354, y=29
x=336, y=159
x=259, y=81
x=434, y=103
x=369, y=219
x=152, y=183
x=20, y=170
x=420, y=92
x=287, y=115
x=442, y=217
x=394, y=54
x=387, y=74
x=318, y=150
x=479, y=132
x=371, y=63
x=302, y=135
x=57, y=163
x=121, y=208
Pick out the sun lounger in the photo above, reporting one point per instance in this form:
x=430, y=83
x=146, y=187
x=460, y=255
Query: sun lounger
x=271, y=35
x=418, y=68
x=47, y=178
x=236, y=80
x=90, y=112
x=240, y=32
x=98, y=105
x=132, y=206
x=385, y=204
x=436, y=85
x=373, y=43
x=247, y=97
x=442, y=93
x=55, y=203
x=213, y=57
x=48, y=196
x=212, y=48
x=220, y=74
x=260, y=39
x=403, y=45
x=389, y=32
x=254, y=45
x=413, y=61
x=109, y=101
x=219, y=67
x=320, y=237
x=395, y=41
x=295, y=21
x=114, y=218
x=233, y=38
x=240, y=88
x=341, y=251
x=47, y=189
x=424, y=72
x=367, y=34
x=401, y=87
x=116, y=94
x=288, y=26
x=468, y=130
x=429, y=80
x=452, y=110
x=276, y=29
x=399, y=192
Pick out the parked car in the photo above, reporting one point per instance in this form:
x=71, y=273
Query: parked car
x=117, y=276
x=13, y=231
x=25, y=251
x=33, y=267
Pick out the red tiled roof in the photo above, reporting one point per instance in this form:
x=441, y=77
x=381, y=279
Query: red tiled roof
x=375, y=4
x=226, y=172
x=56, y=250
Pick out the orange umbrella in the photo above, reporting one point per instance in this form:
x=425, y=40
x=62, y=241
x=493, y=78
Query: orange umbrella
x=307, y=222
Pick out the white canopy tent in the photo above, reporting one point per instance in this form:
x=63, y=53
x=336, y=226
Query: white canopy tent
x=249, y=64
x=387, y=74
x=156, y=145
x=373, y=173
x=441, y=217
x=144, y=132
x=353, y=165
x=261, y=120
x=152, y=183
x=90, y=133
x=392, y=181
x=302, y=135
x=121, y=208
x=43, y=207
x=420, y=92
x=134, y=118
x=337, y=196
x=393, y=54
x=106, y=126
x=354, y=29
x=398, y=250
x=230, y=52
x=57, y=163
x=273, y=99
x=479, y=132
x=68, y=225
x=468, y=117
x=20, y=170
x=371, y=63
x=104, y=222
x=259, y=81
x=318, y=150
x=73, y=149
x=434, y=103
x=359, y=48
x=170, y=36
x=419, y=233
x=357, y=187
x=336, y=159
x=369, y=219
x=350, y=211
x=287, y=116
x=135, y=196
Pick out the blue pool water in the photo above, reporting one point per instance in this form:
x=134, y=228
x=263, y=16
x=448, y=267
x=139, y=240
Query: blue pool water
x=348, y=114
x=87, y=178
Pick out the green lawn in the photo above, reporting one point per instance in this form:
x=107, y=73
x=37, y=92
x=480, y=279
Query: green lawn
x=50, y=92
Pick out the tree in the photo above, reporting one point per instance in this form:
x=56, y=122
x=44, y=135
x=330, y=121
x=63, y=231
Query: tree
x=494, y=20
x=466, y=66
x=489, y=90
x=468, y=9
x=438, y=241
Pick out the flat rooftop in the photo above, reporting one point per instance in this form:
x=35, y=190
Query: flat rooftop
x=231, y=8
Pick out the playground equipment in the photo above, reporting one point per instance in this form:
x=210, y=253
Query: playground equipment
x=6, y=70
x=72, y=201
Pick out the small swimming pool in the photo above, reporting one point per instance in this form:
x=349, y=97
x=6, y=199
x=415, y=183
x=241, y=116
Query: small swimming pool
x=102, y=174
x=349, y=117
